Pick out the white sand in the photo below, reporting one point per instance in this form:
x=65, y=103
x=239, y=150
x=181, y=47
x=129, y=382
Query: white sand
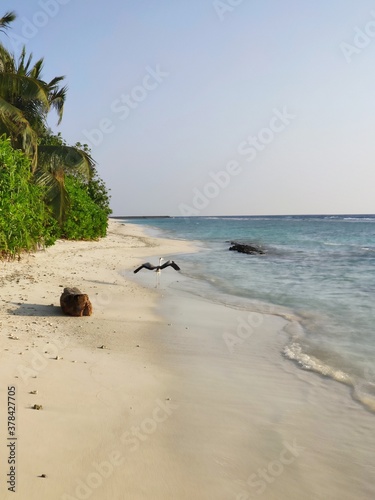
x=90, y=394
x=167, y=410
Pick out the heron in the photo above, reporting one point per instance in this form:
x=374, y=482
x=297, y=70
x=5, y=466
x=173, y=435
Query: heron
x=157, y=269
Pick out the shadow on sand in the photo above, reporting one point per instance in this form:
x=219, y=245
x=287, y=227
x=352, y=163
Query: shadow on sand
x=36, y=310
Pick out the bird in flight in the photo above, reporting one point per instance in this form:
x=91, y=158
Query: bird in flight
x=157, y=269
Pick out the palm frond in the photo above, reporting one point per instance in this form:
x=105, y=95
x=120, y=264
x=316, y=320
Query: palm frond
x=36, y=71
x=52, y=179
x=53, y=83
x=7, y=62
x=57, y=100
x=72, y=159
x=17, y=127
x=6, y=20
x=28, y=88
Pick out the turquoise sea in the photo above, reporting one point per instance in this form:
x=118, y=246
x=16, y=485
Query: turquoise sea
x=318, y=271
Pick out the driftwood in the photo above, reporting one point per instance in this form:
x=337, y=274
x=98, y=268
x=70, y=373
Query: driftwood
x=75, y=303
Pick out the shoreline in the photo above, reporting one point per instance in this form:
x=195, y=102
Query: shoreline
x=166, y=410
x=296, y=348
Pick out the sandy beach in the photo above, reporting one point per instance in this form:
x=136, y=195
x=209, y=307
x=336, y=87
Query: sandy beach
x=90, y=395
x=161, y=394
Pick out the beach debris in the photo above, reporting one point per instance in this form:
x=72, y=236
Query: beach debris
x=33, y=392
x=37, y=407
x=75, y=303
x=57, y=358
x=43, y=476
x=102, y=347
x=246, y=248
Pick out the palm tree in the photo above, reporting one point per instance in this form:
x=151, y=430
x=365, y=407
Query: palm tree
x=55, y=160
x=25, y=101
x=12, y=120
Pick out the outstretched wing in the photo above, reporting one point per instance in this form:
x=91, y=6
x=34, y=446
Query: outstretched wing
x=146, y=265
x=170, y=263
x=175, y=266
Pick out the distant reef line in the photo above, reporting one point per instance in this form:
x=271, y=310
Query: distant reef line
x=140, y=216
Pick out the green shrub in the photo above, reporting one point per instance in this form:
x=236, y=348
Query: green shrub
x=98, y=192
x=85, y=220
x=25, y=221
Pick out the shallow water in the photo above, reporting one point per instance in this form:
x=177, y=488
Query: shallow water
x=318, y=271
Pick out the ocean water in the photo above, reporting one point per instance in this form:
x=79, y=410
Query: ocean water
x=317, y=271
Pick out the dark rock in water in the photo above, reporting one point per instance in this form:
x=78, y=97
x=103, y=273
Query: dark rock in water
x=248, y=249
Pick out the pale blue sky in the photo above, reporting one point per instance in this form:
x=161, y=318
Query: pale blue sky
x=224, y=73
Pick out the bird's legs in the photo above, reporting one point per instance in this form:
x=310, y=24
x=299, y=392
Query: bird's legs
x=158, y=278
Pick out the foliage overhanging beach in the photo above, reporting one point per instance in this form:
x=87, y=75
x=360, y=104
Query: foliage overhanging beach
x=48, y=189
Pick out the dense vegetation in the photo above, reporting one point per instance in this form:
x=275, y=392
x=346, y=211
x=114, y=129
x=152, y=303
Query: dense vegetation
x=48, y=189
x=25, y=220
